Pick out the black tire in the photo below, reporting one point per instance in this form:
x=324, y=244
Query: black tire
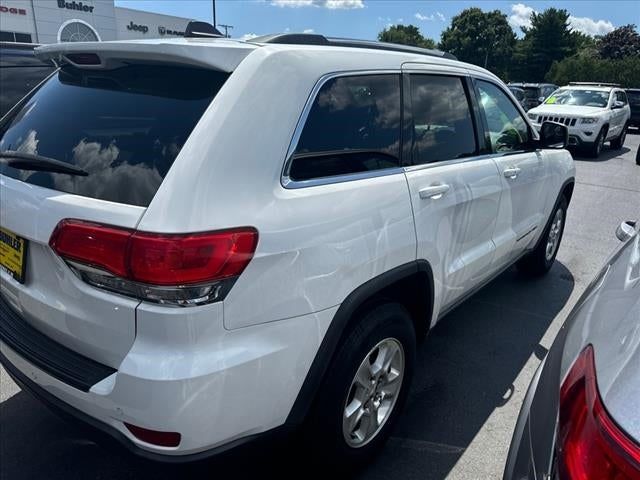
x=617, y=144
x=538, y=262
x=324, y=428
x=595, y=150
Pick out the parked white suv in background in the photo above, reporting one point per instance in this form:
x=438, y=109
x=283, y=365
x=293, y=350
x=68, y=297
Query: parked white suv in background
x=595, y=113
x=205, y=241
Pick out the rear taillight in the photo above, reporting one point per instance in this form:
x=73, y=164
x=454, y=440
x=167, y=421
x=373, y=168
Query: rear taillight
x=591, y=445
x=187, y=269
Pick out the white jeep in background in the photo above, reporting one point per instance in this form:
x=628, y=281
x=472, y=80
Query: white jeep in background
x=207, y=241
x=594, y=113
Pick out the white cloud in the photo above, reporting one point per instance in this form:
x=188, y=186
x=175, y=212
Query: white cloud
x=424, y=18
x=308, y=30
x=248, y=36
x=520, y=16
x=590, y=26
x=401, y=20
x=331, y=4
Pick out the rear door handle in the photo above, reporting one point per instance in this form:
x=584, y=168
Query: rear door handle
x=511, y=172
x=434, y=191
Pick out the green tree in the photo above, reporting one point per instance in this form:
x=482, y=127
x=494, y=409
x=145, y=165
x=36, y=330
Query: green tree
x=585, y=45
x=549, y=39
x=621, y=42
x=405, y=35
x=482, y=38
x=625, y=71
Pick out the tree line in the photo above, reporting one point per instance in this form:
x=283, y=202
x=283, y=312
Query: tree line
x=549, y=50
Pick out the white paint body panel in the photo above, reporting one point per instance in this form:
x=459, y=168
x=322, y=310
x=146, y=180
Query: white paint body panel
x=222, y=371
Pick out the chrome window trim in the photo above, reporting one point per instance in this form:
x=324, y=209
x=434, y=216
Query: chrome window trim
x=286, y=181
x=474, y=158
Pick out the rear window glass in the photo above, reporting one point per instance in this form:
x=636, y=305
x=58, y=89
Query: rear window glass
x=124, y=127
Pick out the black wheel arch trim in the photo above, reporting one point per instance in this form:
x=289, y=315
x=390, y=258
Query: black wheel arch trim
x=356, y=299
x=566, y=183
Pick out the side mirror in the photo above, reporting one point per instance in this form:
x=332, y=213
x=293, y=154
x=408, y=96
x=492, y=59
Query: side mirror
x=617, y=104
x=554, y=135
x=541, y=99
x=625, y=231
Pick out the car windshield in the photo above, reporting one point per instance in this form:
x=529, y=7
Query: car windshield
x=531, y=92
x=581, y=98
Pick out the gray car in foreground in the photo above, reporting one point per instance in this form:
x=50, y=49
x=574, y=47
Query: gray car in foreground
x=581, y=415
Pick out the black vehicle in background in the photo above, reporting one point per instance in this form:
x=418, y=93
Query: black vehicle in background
x=20, y=71
x=534, y=93
x=633, y=94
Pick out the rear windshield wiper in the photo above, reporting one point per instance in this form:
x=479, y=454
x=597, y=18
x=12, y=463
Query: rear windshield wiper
x=28, y=161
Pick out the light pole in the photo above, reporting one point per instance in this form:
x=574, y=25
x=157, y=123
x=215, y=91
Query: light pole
x=214, y=12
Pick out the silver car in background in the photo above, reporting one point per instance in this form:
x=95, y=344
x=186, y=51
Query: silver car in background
x=581, y=415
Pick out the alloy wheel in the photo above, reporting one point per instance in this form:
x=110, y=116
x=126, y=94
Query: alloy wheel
x=373, y=392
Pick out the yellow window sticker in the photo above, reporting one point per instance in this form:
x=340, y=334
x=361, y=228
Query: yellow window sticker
x=551, y=100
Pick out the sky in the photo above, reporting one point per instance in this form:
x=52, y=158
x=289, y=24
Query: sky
x=365, y=18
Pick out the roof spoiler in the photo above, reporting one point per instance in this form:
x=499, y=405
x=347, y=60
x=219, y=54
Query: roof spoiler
x=109, y=55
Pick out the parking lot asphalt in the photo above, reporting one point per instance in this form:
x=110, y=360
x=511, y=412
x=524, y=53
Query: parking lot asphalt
x=473, y=369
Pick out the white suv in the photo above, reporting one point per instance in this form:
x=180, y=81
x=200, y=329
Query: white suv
x=205, y=241
x=595, y=113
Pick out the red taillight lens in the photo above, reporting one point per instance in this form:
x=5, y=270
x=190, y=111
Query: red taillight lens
x=188, y=259
x=591, y=445
x=156, y=259
x=97, y=245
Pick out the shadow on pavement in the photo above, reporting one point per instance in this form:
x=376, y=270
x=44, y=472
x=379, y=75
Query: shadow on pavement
x=606, y=154
x=465, y=370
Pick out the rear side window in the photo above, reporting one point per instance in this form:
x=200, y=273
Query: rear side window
x=124, y=127
x=353, y=127
x=442, y=124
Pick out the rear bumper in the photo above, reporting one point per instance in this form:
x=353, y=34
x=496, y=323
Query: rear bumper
x=217, y=392
x=106, y=434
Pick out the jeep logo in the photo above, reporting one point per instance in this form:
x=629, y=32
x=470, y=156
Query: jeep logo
x=137, y=28
x=75, y=6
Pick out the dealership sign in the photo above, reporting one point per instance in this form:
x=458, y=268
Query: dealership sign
x=137, y=28
x=81, y=7
x=168, y=31
x=12, y=10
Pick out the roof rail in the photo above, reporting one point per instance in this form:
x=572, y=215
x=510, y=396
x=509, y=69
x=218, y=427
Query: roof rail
x=594, y=84
x=316, y=39
x=201, y=30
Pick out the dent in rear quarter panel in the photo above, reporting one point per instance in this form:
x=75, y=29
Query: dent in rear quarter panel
x=316, y=245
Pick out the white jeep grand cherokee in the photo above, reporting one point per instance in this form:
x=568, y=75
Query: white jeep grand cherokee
x=205, y=241
x=595, y=113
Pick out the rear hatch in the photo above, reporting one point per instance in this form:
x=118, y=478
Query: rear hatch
x=120, y=129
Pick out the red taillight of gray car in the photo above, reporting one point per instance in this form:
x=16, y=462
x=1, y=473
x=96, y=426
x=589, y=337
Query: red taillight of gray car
x=591, y=445
x=181, y=269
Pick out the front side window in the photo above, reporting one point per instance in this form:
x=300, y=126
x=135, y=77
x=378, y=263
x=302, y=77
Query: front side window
x=442, y=124
x=621, y=97
x=353, y=127
x=507, y=129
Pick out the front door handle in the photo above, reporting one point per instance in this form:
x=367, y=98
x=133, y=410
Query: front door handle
x=434, y=192
x=511, y=172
